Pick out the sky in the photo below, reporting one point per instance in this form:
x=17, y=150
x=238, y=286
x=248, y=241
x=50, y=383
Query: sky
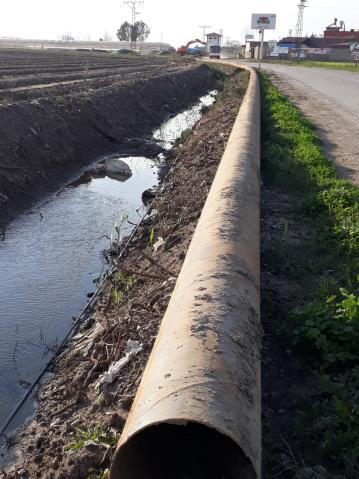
x=176, y=21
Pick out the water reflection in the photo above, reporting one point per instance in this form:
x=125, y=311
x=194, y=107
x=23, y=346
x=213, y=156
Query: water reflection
x=50, y=260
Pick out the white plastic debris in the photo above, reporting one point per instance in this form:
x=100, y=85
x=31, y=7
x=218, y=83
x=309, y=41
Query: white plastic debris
x=56, y=423
x=153, y=213
x=132, y=348
x=158, y=243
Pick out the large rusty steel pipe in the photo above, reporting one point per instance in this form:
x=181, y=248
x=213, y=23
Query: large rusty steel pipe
x=197, y=411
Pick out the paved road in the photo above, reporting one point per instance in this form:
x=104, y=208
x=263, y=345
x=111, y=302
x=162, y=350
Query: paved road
x=330, y=98
x=339, y=87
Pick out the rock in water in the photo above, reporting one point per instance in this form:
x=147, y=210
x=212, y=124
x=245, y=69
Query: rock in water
x=149, y=195
x=97, y=169
x=117, y=169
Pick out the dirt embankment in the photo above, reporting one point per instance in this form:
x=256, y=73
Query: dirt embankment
x=81, y=413
x=46, y=141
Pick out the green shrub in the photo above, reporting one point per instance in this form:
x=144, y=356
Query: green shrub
x=329, y=329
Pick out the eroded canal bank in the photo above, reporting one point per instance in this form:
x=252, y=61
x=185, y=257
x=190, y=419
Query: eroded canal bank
x=87, y=399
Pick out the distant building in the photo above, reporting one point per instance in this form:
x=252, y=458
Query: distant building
x=213, y=40
x=293, y=42
x=335, y=45
x=335, y=34
x=252, y=49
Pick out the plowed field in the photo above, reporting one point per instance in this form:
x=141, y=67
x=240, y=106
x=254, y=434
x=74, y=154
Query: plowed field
x=60, y=110
x=27, y=75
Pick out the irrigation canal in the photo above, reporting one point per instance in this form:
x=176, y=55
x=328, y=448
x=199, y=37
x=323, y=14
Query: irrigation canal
x=51, y=258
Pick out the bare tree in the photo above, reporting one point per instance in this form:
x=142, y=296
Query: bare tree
x=107, y=37
x=67, y=37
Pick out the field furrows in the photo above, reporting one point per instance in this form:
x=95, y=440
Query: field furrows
x=28, y=75
x=64, y=67
x=14, y=82
x=75, y=86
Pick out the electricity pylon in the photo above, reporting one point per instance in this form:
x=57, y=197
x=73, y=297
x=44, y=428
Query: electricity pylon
x=299, y=26
x=133, y=6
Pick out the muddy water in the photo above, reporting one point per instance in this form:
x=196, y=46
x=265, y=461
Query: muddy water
x=51, y=258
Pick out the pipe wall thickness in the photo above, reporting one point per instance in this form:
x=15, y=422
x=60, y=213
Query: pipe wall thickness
x=198, y=406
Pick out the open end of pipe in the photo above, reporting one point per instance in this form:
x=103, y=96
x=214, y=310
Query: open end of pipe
x=170, y=451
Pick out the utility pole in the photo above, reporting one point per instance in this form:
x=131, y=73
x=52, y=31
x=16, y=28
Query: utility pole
x=133, y=6
x=204, y=28
x=221, y=33
x=261, y=36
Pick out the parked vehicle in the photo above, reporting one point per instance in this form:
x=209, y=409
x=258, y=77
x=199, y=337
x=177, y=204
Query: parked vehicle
x=215, y=51
x=184, y=49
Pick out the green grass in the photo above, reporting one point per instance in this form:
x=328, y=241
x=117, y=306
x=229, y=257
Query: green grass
x=324, y=325
x=293, y=152
x=350, y=67
x=218, y=71
x=94, y=474
x=97, y=434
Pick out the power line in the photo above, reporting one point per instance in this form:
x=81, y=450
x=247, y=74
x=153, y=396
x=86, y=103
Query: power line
x=133, y=6
x=204, y=28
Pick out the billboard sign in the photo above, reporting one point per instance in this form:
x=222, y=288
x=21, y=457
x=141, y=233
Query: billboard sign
x=320, y=51
x=283, y=50
x=276, y=51
x=299, y=53
x=263, y=21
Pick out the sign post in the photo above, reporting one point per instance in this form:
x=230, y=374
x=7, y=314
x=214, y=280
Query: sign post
x=261, y=32
x=354, y=48
x=261, y=22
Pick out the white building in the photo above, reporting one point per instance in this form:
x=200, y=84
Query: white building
x=213, y=40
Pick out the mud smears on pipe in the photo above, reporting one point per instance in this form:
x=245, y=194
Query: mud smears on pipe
x=197, y=411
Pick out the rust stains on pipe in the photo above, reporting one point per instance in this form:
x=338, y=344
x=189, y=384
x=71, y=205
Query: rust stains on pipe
x=197, y=411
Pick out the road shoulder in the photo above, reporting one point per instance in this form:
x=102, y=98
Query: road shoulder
x=337, y=130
